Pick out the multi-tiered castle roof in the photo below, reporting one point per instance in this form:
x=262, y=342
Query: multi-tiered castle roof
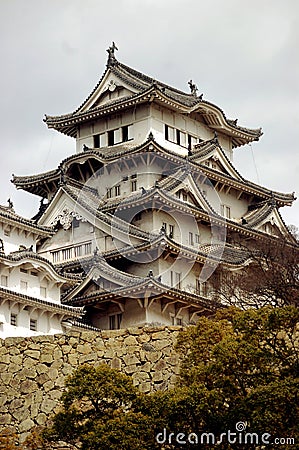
x=150, y=203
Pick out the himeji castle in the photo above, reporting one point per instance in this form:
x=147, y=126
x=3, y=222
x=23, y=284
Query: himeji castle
x=132, y=226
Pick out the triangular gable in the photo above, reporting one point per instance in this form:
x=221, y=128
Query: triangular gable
x=273, y=224
x=102, y=277
x=189, y=185
x=110, y=88
x=70, y=202
x=216, y=159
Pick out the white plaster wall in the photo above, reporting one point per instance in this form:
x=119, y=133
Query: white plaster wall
x=46, y=322
x=16, y=238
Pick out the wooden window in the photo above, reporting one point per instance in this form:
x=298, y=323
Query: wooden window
x=134, y=185
x=125, y=133
x=110, y=137
x=171, y=231
x=96, y=141
x=109, y=193
x=117, y=136
x=33, y=325
x=43, y=292
x=4, y=280
x=185, y=197
x=115, y=321
x=175, y=279
x=226, y=211
x=117, y=189
x=13, y=319
x=197, y=238
x=202, y=288
x=191, y=240
x=166, y=132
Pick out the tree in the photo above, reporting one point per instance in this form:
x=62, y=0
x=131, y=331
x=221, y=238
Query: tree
x=242, y=367
x=270, y=278
x=237, y=368
x=100, y=411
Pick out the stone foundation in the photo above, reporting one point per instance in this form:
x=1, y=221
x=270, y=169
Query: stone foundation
x=33, y=369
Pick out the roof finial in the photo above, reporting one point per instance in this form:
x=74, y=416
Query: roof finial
x=10, y=204
x=110, y=50
x=193, y=88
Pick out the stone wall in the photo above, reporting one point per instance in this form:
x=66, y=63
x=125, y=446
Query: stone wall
x=33, y=369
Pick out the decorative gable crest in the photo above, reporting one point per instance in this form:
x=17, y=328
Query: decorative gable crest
x=66, y=219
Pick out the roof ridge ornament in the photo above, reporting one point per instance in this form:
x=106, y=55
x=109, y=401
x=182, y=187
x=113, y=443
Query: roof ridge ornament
x=111, y=56
x=193, y=88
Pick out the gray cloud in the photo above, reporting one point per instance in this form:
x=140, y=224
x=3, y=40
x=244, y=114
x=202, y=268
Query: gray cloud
x=242, y=55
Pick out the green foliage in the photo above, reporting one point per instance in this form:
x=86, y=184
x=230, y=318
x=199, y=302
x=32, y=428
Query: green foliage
x=100, y=411
x=237, y=366
x=243, y=366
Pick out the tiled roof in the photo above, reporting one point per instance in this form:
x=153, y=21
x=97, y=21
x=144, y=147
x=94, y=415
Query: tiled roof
x=137, y=290
x=50, y=306
x=147, y=85
x=28, y=255
x=8, y=215
x=126, y=151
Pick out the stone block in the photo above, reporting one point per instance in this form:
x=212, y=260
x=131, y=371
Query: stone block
x=116, y=363
x=48, y=406
x=35, y=354
x=153, y=357
x=41, y=419
x=46, y=358
x=6, y=378
x=5, y=419
x=145, y=386
x=26, y=425
x=160, y=335
x=130, y=340
x=28, y=386
x=157, y=376
x=130, y=359
x=21, y=414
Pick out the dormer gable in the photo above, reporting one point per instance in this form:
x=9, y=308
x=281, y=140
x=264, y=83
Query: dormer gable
x=109, y=89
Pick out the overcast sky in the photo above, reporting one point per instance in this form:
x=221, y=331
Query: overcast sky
x=243, y=56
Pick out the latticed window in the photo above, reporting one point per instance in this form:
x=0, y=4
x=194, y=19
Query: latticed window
x=33, y=325
x=115, y=321
x=13, y=319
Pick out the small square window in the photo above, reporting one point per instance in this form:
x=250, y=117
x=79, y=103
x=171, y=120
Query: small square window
x=115, y=321
x=171, y=231
x=191, y=241
x=13, y=319
x=134, y=185
x=4, y=280
x=33, y=325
